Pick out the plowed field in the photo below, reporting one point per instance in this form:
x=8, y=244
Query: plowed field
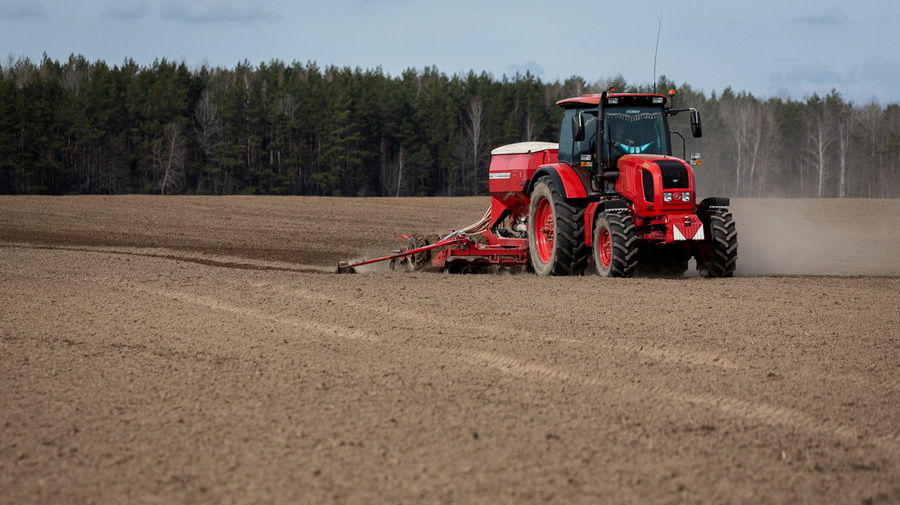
x=199, y=350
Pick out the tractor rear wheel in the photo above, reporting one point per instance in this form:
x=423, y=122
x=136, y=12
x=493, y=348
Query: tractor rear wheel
x=555, y=232
x=615, y=246
x=721, y=258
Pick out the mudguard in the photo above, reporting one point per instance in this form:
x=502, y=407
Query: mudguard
x=567, y=180
x=594, y=208
x=713, y=201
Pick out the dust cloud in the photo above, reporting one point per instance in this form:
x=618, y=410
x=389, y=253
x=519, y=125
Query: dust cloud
x=817, y=236
x=844, y=237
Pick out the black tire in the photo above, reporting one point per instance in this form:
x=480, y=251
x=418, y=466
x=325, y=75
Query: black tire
x=721, y=257
x=556, y=245
x=402, y=264
x=416, y=261
x=615, y=246
x=422, y=259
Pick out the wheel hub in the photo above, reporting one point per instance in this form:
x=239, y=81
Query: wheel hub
x=605, y=247
x=545, y=230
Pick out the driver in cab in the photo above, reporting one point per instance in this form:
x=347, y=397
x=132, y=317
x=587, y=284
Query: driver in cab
x=623, y=139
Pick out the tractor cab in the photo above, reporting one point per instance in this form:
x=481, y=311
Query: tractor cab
x=599, y=129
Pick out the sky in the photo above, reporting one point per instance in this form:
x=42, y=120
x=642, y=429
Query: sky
x=770, y=48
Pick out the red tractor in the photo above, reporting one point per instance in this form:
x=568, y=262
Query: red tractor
x=609, y=194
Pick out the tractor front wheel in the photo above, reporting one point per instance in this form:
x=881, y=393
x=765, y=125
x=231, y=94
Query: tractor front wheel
x=555, y=232
x=720, y=258
x=615, y=246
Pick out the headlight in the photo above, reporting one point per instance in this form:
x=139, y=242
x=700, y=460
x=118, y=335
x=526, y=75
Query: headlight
x=686, y=196
x=667, y=197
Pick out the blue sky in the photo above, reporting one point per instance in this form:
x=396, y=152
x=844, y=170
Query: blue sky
x=766, y=47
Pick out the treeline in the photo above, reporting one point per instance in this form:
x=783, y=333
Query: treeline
x=80, y=127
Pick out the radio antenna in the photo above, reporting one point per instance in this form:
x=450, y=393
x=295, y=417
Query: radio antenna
x=656, y=53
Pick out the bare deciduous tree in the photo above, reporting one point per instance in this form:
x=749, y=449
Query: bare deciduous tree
x=169, y=157
x=743, y=125
x=207, y=125
x=821, y=134
x=845, y=122
x=871, y=133
x=474, y=132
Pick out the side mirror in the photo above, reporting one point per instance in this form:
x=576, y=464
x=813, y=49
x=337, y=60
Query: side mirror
x=578, y=127
x=696, y=127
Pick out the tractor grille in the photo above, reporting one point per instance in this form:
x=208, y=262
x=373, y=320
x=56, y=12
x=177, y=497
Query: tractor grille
x=674, y=174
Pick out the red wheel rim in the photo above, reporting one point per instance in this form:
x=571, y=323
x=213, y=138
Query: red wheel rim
x=604, y=247
x=544, y=230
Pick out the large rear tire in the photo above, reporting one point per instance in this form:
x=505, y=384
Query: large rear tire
x=555, y=232
x=721, y=258
x=615, y=246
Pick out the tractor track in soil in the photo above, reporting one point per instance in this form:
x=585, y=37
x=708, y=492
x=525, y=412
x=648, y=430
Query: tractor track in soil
x=516, y=366
x=199, y=363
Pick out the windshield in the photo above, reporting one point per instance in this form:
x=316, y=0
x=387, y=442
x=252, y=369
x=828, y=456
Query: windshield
x=636, y=130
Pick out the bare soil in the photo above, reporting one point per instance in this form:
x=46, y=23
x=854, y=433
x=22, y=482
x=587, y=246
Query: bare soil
x=199, y=350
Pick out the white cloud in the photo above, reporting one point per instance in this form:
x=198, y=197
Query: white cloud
x=811, y=74
x=126, y=10
x=878, y=77
x=834, y=16
x=205, y=11
x=21, y=9
x=875, y=77
x=529, y=66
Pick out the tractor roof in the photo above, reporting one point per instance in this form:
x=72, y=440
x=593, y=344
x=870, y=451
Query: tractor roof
x=594, y=99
